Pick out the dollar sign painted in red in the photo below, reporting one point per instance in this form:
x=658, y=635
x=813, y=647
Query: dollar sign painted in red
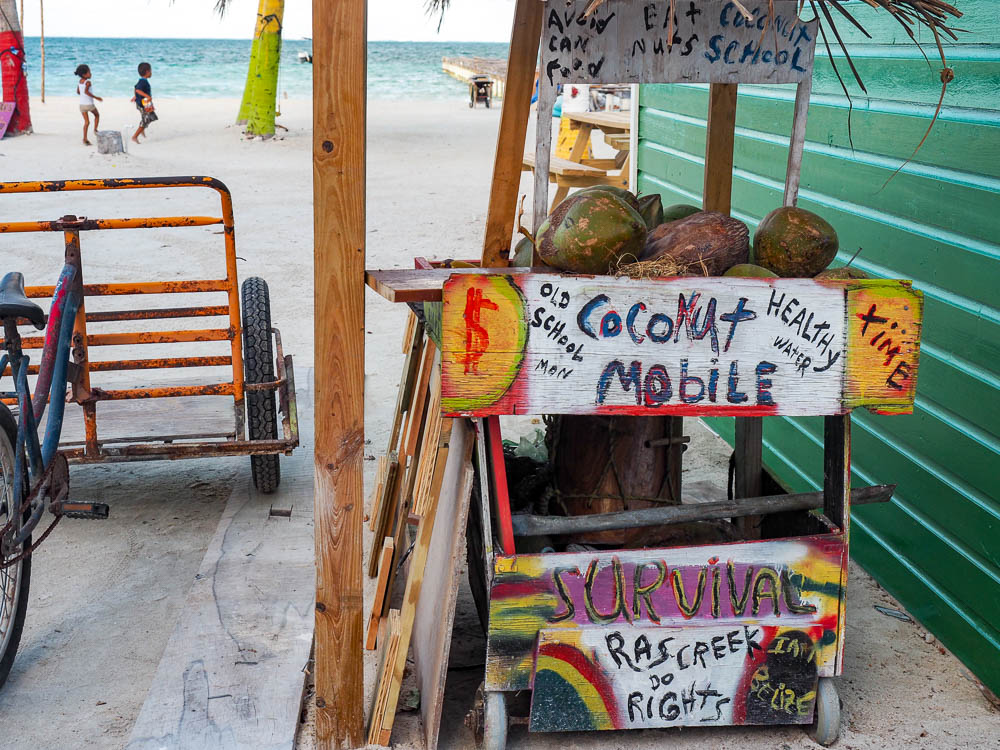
x=477, y=339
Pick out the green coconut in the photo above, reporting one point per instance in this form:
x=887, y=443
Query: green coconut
x=590, y=232
x=621, y=192
x=651, y=209
x=523, y=251
x=678, y=211
x=843, y=273
x=794, y=242
x=750, y=271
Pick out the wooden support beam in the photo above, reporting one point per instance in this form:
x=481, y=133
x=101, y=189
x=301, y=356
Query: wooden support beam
x=522, y=62
x=718, y=192
x=339, y=95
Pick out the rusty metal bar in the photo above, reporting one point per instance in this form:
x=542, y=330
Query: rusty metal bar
x=162, y=363
x=157, y=314
x=116, y=183
x=138, y=287
x=142, y=337
x=80, y=387
x=170, y=391
x=159, y=364
x=115, y=454
x=85, y=224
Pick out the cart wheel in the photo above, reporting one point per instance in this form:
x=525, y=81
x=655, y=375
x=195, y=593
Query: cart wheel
x=13, y=580
x=488, y=719
x=258, y=367
x=826, y=723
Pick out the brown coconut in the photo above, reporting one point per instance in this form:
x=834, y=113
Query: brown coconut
x=707, y=243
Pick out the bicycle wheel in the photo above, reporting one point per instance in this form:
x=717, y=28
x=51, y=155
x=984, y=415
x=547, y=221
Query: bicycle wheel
x=258, y=367
x=13, y=580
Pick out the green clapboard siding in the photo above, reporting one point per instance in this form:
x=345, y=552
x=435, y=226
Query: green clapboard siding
x=936, y=546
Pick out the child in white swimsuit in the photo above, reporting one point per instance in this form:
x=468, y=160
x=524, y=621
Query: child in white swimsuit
x=87, y=98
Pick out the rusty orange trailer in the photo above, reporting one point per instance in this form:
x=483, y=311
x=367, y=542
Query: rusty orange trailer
x=254, y=430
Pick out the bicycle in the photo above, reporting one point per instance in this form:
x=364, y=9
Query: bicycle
x=34, y=476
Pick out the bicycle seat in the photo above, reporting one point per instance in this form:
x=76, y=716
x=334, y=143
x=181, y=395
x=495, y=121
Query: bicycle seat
x=14, y=304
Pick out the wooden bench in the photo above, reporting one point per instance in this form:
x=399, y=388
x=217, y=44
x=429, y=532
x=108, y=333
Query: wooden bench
x=567, y=174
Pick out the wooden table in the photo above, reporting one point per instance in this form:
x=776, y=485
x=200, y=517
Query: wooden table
x=579, y=171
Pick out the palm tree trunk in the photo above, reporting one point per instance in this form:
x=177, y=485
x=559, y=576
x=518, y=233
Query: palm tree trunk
x=15, y=83
x=260, y=95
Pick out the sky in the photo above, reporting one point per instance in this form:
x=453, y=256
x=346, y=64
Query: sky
x=404, y=20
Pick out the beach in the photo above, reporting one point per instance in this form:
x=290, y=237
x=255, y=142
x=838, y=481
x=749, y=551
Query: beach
x=106, y=597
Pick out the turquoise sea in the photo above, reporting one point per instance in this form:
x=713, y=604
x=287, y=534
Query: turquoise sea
x=218, y=67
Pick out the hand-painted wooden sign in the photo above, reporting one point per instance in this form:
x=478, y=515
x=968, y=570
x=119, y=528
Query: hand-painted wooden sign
x=636, y=41
x=638, y=678
x=710, y=590
x=550, y=344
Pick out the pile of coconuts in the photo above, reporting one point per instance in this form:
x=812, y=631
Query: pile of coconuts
x=606, y=229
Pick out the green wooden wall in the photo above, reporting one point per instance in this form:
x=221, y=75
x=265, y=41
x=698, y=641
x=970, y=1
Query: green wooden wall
x=936, y=547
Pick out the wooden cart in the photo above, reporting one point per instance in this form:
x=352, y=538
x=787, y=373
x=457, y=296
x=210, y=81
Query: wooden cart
x=749, y=632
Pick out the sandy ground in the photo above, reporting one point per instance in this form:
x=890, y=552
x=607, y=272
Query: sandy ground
x=105, y=597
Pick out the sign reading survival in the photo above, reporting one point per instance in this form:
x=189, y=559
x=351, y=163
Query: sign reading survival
x=552, y=344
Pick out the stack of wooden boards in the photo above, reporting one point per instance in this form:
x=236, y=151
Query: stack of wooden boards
x=424, y=480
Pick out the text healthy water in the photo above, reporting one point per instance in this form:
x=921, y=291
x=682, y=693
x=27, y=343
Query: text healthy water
x=184, y=68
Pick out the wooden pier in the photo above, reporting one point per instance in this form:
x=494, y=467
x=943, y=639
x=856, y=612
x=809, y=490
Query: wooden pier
x=463, y=68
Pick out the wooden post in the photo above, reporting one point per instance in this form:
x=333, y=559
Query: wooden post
x=719, y=147
x=339, y=85
x=522, y=62
x=718, y=196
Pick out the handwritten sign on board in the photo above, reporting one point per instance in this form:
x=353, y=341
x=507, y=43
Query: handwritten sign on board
x=553, y=344
x=629, y=41
x=640, y=678
x=644, y=596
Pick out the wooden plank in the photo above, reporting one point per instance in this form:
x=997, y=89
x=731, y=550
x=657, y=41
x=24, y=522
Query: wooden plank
x=786, y=582
x=339, y=82
x=717, y=676
x=435, y=609
x=416, y=285
x=610, y=122
x=543, y=156
x=412, y=346
x=381, y=592
x=418, y=409
x=387, y=657
x=454, y=453
x=522, y=62
x=381, y=472
x=385, y=509
x=719, y=147
x=432, y=432
x=561, y=344
x=231, y=673
x=565, y=167
x=626, y=42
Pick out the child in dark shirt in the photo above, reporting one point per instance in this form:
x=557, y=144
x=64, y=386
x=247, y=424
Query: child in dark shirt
x=144, y=100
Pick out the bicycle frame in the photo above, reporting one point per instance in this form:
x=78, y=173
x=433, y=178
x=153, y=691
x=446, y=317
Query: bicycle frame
x=50, y=387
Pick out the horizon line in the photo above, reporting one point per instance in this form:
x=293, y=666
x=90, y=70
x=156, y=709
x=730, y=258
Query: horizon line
x=249, y=39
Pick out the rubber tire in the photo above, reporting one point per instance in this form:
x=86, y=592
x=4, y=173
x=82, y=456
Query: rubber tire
x=826, y=722
x=258, y=367
x=8, y=432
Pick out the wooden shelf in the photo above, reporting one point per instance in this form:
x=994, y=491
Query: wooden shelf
x=421, y=285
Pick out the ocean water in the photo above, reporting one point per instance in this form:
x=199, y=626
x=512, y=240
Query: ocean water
x=218, y=67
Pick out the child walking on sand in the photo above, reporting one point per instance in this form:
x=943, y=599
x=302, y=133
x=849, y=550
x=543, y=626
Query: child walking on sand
x=144, y=100
x=87, y=98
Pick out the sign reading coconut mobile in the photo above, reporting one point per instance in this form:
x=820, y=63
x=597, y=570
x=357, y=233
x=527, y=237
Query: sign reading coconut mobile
x=552, y=344
x=637, y=41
